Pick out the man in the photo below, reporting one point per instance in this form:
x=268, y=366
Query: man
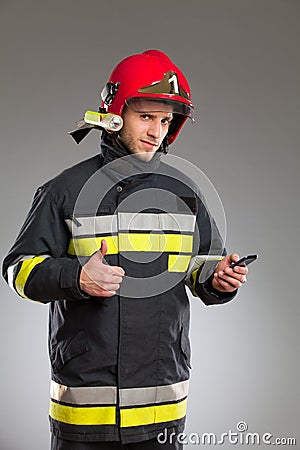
x=110, y=244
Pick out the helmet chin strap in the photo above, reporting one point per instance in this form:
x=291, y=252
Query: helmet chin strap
x=164, y=148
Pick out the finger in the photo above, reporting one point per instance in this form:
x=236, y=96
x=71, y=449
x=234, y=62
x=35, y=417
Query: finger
x=105, y=294
x=113, y=270
x=224, y=285
x=98, y=291
x=243, y=270
x=239, y=275
x=112, y=273
x=103, y=248
x=108, y=282
x=113, y=280
x=119, y=271
x=241, y=278
x=112, y=287
x=106, y=289
x=235, y=282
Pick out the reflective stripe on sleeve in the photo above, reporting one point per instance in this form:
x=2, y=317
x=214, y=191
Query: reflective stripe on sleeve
x=27, y=265
x=98, y=395
x=199, y=260
x=194, y=282
x=132, y=417
x=195, y=264
x=11, y=272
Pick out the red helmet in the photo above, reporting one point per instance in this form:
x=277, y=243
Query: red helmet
x=150, y=75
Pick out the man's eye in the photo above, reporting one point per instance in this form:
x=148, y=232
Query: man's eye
x=166, y=121
x=145, y=116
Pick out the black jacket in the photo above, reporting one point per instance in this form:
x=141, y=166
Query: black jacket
x=120, y=365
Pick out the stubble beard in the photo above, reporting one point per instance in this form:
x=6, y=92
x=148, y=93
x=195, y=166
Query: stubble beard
x=131, y=145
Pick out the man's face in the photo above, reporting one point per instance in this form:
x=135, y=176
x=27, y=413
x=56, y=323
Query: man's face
x=146, y=124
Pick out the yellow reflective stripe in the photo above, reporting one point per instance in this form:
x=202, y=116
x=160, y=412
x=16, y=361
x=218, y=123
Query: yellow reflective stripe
x=98, y=415
x=144, y=242
x=133, y=242
x=194, y=278
x=178, y=263
x=88, y=246
x=27, y=266
x=152, y=242
x=147, y=415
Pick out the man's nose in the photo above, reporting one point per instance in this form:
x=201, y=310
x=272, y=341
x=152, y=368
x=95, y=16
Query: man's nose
x=155, y=129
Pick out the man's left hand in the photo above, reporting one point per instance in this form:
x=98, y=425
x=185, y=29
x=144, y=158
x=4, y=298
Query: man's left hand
x=227, y=279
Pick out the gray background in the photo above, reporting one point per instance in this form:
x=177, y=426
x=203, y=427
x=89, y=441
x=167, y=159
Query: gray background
x=242, y=60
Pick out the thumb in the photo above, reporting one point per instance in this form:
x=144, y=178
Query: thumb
x=234, y=257
x=103, y=249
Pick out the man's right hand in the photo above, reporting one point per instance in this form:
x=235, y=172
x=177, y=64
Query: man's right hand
x=99, y=279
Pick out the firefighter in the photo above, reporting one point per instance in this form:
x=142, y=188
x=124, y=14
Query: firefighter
x=110, y=245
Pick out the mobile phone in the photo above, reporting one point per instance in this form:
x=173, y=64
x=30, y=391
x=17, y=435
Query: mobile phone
x=244, y=261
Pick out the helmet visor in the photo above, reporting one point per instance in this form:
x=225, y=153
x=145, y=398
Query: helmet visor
x=144, y=105
x=168, y=94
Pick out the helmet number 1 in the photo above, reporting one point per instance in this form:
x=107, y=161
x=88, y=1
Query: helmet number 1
x=174, y=83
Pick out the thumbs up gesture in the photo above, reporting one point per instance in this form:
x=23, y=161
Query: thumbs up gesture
x=99, y=279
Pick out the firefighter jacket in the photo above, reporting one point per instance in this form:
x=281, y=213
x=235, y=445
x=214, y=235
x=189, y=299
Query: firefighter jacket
x=120, y=365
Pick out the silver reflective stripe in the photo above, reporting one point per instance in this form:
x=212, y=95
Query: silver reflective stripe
x=90, y=226
x=11, y=275
x=11, y=271
x=195, y=263
x=144, y=221
x=157, y=394
x=98, y=395
x=25, y=257
x=198, y=261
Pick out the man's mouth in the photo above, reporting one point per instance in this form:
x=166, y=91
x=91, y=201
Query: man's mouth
x=149, y=144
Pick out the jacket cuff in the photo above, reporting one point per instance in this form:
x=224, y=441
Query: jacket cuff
x=212, y=296
x=70, y=280
x=205, y=290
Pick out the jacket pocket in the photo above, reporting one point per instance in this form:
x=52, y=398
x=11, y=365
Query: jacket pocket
x=185, y=346
x=68, y=349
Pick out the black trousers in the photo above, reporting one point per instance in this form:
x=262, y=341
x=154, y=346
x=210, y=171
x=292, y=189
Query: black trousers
x=152, y=444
